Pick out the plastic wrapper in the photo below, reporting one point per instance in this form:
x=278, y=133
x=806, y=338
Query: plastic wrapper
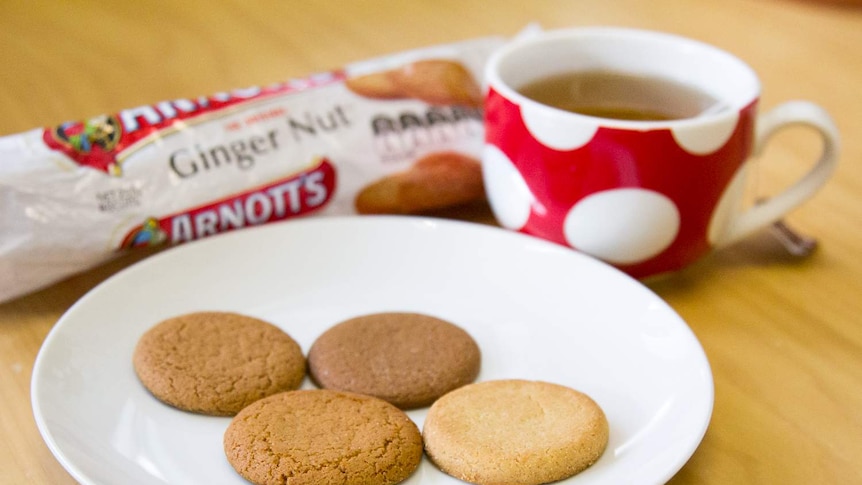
x=398, y=134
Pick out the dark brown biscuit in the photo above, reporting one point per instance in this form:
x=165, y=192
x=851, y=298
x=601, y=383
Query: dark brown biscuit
x=514, y=432
x=217, y=363
x=407, y=359
x=436, y=181
x=322, y=437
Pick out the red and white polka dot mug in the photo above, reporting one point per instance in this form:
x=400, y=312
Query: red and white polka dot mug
x=649, y=197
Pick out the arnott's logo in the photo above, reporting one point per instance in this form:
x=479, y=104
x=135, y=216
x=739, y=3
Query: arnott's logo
x=104, y=142
x=281, y=199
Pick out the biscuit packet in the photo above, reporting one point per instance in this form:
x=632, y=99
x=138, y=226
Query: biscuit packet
x=397, y=134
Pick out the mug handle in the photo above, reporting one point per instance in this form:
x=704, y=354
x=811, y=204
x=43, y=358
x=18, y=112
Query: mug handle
x=784, y=115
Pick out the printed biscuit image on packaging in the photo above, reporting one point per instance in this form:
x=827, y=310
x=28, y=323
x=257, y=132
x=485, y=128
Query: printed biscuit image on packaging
x=439, y=179
x=73, y=194
x=435, y=81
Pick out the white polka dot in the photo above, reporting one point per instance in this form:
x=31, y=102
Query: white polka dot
x=508, y=193
x=622, y=226
x=557, y=129
x=700, y=138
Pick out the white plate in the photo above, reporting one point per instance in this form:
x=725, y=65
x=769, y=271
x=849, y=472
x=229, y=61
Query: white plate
x=538, y=311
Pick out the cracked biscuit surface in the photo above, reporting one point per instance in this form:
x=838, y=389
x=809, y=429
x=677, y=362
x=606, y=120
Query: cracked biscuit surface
x=322, y=437
x=514, y=432
x=217, y=363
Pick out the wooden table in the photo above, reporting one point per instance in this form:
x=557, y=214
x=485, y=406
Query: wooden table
x=783, y=335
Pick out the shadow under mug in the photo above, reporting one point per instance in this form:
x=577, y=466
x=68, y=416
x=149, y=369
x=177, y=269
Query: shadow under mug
x=649, y=197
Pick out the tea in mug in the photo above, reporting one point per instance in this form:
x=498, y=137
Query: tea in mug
x=621, y=96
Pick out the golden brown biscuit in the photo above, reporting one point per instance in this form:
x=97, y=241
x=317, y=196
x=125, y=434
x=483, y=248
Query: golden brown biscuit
x=434, y=81
x=514, y=432
x=438, y=82
x=217, y=363
x=407, y=359
x=322, y=437
x=436, y=181
x=376, y=85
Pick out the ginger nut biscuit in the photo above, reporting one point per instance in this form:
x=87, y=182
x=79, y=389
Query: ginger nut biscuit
x=514, y=432
x=217, y=363
x=439, y=82
x=407, y=359
x=323, y=437
x=375, y=85
x=433, y=81
x=436, y=181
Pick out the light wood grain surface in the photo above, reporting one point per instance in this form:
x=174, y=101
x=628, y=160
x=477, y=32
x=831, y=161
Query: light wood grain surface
x=783, y=335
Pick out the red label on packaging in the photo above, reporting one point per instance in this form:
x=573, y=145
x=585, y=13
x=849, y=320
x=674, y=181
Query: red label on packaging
x=105, y=141
x=283, y=199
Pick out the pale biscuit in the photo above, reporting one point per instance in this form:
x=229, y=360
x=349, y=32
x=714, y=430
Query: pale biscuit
x=407, y=359
x=514, y=432
x=323, y=437
x=436, y=181
x=217, y=363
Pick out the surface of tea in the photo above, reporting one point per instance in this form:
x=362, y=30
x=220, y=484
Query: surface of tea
x=607, y=94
